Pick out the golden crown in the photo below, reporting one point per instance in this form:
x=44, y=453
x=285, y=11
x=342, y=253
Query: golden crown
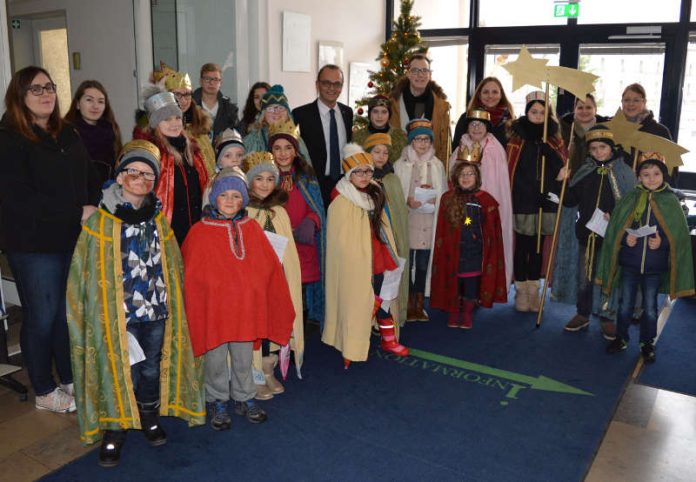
x=416, y=123
x=376, y=139
x=599, y=134
x=473, y=155
x=257, y=158
x=172, y=79
x=357, y=159
x=140, y=144
x=479, y=114
x=287, y=127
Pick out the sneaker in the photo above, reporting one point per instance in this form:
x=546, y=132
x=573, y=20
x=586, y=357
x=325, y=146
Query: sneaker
x=616, y=346
x=219, y=418
x=57, y=401
x=577, y=323
x=251, y=411
x=648, y=352
x=68, y=388
x=608, y=328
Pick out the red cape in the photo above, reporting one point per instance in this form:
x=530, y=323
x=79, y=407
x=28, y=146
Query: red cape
x=443, y=292
x=230, y=299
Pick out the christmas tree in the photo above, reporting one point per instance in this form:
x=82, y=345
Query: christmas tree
x=394, y=54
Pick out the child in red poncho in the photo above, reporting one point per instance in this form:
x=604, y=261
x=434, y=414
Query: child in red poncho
x=235, y=293
x=468, y=262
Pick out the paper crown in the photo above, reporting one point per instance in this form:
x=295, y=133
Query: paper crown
x=376, y=139
x=229, y=136
x=422, y=123
x=172, y=79
x=535, y=95
x=597, y=134
x=160, y=101
x=287, y=128
x=379, y=100
x=479, y=114
x=140, y=145
x=257, y=158
x=354, y=156
x=473, y=155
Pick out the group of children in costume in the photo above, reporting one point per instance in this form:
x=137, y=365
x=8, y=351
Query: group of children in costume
x=152, y=327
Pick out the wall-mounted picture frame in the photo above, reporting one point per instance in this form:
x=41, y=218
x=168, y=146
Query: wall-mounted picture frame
x=330, y=53
x=297, y=31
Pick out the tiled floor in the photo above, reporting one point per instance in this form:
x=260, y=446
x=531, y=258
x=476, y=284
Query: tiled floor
x=652, y=437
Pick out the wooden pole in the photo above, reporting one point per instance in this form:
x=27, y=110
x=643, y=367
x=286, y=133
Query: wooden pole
x=543, y=164
x=635, y=159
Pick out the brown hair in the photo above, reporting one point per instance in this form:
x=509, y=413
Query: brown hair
x=636, y=88
x=456, y=204
x=18, y=116
x=200, y=121
x=330, y=67
x=419, y=56
x=475, y=103
x=250, y=112
x=73, y=114
x=588, y=96
x=164, y=145
x=210, y=67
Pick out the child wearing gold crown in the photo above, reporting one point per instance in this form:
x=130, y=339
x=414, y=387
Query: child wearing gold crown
x=423, y=181
x=525, y=151
x=600, y=182
x=362, y=250
x=468, y=268
x=478, y=144
x=266, y=207
x=130, y=345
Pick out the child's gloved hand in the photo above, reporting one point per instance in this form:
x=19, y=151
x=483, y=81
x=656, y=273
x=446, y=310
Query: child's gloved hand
x=654, y=241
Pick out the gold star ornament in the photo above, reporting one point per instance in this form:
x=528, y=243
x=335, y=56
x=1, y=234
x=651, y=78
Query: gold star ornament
x=467, y=221
x=526, y=70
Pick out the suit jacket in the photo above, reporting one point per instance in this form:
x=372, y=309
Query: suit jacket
x=312, y=133
x=226, y=115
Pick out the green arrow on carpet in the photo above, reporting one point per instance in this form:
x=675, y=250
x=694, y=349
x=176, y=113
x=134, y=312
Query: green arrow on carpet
x=539, y=383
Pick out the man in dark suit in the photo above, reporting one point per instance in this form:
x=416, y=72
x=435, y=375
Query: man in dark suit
x=325, y=127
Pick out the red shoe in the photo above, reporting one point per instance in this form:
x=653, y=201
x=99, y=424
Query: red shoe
x=389, y=343
x=467, y=314
x=346, y=363
x=453, y=320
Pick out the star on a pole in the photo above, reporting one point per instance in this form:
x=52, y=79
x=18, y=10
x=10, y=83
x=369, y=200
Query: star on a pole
x=622, y=129
x=526, y=70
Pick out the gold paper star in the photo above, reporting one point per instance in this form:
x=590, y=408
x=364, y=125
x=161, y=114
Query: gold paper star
x=467, y=221
x=575, y=81
x=526, y=70
x=622, y=129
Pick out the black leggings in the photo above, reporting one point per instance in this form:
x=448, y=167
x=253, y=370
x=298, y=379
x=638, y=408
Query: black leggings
x=526, y=260
x=469, y=287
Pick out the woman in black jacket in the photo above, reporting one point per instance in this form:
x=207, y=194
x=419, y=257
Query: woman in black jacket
x=43, y=199
x=634, y=107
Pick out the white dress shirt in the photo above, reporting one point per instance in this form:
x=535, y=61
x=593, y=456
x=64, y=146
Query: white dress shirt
x=326, y=124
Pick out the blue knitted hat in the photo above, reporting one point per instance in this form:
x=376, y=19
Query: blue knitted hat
x=229, y=178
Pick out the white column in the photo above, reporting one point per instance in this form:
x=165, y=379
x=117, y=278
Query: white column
x=143, y=43
x=5, y=64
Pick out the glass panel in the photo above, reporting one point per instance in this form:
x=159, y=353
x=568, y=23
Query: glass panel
x=164, y=33
x=515, y=13
x=498, y=55
x=687, y=121
x=693, y=11
x=450, y=71
x=627, y=11
x=440, y=14
x=621, y=65
x=54, y=58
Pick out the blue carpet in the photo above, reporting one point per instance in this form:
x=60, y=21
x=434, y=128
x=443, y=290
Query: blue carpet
x=504, y=401
x=676, y=352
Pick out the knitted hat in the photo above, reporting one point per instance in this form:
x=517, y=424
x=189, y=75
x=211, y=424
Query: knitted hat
x=229, y=178
x=599, y=133
x=228, y=138
x=284, y=130
x=478, y=115
x=275, y=96
x=354, y=156
x=379, y=101
x=160, y=105
x=139, y=150
x=534, y=96
x=376, y=139
x=654, y=162
x=419, y=127
x=257, y=162
x=171, y=78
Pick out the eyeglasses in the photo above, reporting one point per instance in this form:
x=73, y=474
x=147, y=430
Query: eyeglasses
x=421, y=139
x=416, y=71
x=275, y=109
x=363, y=173
x=467, y=174
x=211, y=79
x=136, y=173
x=38, y=90
x=179, y=95
x=328, y=84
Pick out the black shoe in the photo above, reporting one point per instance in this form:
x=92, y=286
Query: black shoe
x=616, y=346
x=648, y=352
x=219, y=418
x=251, y=411
x=152, y=429
x=110, y=451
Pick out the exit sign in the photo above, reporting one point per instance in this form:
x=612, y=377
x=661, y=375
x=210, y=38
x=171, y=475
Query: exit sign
x=566, y=10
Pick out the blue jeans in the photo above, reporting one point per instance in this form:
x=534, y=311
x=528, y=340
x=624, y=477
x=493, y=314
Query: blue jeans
x=649, y=284
x=419, y=259
x=41, y=280
x=146, y=374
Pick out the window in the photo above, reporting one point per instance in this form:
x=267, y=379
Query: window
x=450, y=71
x=516, y=13
x=628, y=11
x=448, y=14
x=687, y=121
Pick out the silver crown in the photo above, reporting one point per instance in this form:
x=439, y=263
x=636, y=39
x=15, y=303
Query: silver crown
x=159, y=101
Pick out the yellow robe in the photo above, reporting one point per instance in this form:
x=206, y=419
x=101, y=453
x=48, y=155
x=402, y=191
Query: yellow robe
x=349, y=294
x=291, y=266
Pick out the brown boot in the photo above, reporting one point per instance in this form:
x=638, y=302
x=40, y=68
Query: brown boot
x=263, y=392
x=521, y=297
x=421, y=314
x=268, y=365
x=411, y=308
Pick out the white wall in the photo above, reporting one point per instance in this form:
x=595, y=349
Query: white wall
x=102, y=31
x=358, y=24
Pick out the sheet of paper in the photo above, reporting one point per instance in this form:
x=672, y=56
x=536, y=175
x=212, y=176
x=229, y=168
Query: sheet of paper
x=597, y=222
x=642, y=231
x=135, y=351
x=390, y=285
x=553, y=197
x=423, y=195
x=278, y=242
